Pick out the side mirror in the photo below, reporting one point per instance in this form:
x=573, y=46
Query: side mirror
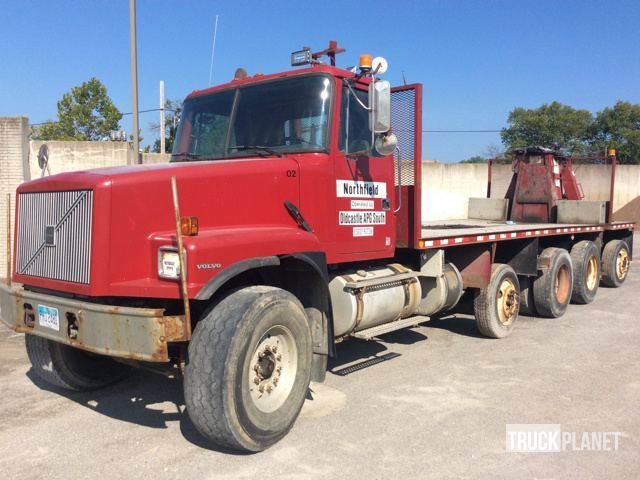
x=385, y=144
x=380, y=103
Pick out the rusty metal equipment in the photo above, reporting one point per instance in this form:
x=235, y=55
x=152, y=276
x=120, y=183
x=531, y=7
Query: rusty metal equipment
x=542, y=177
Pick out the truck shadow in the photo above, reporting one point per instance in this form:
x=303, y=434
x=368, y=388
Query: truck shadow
x=152, y=400
x=355, y=354
x=145, y=398
x=155, y=401
x=457, y=323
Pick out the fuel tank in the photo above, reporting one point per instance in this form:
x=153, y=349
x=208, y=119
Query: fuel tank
x=366, y=298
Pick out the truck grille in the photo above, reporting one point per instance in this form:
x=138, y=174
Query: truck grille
x=54, y=235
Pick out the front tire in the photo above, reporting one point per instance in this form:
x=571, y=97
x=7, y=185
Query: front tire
x=71, y=368
x=249, y=368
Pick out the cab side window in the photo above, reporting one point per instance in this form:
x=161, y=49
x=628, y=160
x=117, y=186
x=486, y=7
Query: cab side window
x=354, y=123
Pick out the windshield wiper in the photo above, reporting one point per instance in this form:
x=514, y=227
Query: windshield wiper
x=257, y=148
x=187, y=155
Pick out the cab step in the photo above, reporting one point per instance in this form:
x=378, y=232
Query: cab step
x=378, y=330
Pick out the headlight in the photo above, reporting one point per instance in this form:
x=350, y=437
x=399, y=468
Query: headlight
x=169, y=263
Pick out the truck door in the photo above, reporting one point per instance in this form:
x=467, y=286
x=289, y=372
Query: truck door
x=364, y=186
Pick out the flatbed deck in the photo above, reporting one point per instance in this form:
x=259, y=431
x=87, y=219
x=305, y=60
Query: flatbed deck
x=465, y=231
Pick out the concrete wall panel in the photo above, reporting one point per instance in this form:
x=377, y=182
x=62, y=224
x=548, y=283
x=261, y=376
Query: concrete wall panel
x=14, y=154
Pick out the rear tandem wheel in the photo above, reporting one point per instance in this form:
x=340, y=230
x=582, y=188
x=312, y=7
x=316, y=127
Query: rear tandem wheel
x=497, y=305
x=615, y=263
x=552, y=289
x=585, y=257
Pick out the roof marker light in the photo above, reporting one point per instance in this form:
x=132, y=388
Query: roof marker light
x=365, y=62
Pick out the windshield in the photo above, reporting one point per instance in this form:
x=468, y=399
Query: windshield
x=272, y=118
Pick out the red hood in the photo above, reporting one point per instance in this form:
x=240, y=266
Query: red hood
x=133, y=206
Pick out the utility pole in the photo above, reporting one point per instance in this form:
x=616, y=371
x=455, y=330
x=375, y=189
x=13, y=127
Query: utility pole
x=134, y=78
x=162, y=116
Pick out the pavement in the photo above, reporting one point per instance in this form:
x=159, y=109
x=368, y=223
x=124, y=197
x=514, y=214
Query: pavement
x=429, y=402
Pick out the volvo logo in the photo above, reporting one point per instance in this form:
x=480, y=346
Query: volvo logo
x=50, y=236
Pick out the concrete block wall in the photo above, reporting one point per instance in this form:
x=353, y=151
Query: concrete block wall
x=14, y=169
x=500, y=179
x=447, y=188
x=155, y=158
x=595, y=181
x=68, y=156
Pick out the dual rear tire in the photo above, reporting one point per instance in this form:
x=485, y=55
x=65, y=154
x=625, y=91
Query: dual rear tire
x=585, y=257
x=565, y=278
x=574, y=277
x=553, y=288
x=615, y=263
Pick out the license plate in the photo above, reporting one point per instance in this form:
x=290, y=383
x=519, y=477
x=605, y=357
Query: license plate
x=49, y=317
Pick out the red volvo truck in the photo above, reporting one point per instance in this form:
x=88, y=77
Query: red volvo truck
x=300, y=224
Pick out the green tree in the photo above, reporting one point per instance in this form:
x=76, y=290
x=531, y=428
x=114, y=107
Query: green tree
x=474, y=159
x=84, y=113
x=549, y=124
x=172, y=114
x=619, y=127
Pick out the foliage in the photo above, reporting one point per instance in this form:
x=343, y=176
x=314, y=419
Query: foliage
x=619, y=127
x=84, y=113
x=474, y=159
x=549, y=124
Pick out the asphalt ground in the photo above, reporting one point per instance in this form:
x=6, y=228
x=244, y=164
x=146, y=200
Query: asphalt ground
x=429, y=402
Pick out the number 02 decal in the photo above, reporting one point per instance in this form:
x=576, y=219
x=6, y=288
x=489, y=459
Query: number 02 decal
x=291, y=173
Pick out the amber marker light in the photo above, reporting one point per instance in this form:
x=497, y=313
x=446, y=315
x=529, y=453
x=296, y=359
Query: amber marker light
x=189, y=226
x=612, y=152
x=365, y=61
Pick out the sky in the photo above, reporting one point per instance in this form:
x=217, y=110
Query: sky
x=476, y=59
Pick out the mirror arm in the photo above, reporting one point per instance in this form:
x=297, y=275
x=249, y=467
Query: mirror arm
x=368, y=109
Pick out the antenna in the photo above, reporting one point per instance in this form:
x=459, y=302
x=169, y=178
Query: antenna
x=213, y=50
x=404, y=79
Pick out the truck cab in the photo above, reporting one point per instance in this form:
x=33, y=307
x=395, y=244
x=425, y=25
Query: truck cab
x=311, y=127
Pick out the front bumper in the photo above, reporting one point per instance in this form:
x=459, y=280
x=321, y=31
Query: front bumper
x=125, y=332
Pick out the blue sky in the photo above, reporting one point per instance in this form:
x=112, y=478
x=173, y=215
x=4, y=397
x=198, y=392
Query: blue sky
x=476, y=59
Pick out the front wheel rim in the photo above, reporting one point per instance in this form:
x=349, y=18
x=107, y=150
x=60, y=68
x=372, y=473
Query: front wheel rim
x=273, y=369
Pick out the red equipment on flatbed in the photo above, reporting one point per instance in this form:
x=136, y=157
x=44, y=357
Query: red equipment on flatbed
x=300, y=218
